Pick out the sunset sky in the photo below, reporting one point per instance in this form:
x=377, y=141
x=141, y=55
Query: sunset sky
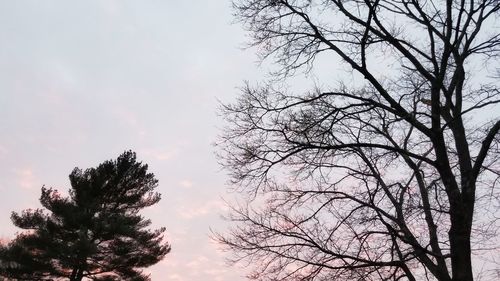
x=82, y=81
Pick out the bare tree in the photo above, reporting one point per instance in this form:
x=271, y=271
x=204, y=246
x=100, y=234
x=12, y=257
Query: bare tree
x=392, y=176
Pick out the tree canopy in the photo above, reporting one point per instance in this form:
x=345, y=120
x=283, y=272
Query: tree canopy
x=391, y=174
x=96, y=232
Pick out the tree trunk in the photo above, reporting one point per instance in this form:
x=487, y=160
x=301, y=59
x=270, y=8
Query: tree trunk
x=460, y=248
x=76, y=275
x=79, y=276
x=461, y=256
x=73, y=274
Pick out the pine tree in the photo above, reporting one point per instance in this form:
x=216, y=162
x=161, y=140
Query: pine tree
x=96, y=232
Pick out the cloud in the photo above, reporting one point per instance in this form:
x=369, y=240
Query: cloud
x=192, y=212
x=177, y=236
x=197, y=262
x=216, y=274
x=3, y=149
x=25, y=178
x=182, y=266
x=126, y=116
x=186, y=183
x=111, y=8
x=175, y=277
x=160, y=154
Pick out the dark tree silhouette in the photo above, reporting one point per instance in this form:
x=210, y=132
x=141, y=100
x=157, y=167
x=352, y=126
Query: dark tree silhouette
x=391, y=175
x=96, y=232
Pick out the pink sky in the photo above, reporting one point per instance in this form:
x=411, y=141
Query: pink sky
x=81, y=82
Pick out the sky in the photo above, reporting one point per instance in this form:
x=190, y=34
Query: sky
x=83, y=81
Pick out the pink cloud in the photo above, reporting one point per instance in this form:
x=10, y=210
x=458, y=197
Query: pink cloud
x=25, y=178
x=127, y=116
x=197, y=262
x=160, y=154
x=178, y=236
x=175, y=277
x=3, y=149
x=191, y=212
x=186, y=183
x=215, y=274
x=182, y=267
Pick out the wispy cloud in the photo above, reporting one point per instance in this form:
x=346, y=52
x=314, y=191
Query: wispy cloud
x=186, y=183
x=177, y=236
x=127, y=116
x=161, y=154
x=210, y=207
x=25, y=178
x=194, y=267
x=216, y=274
x=175, y=277
x=3, y=149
